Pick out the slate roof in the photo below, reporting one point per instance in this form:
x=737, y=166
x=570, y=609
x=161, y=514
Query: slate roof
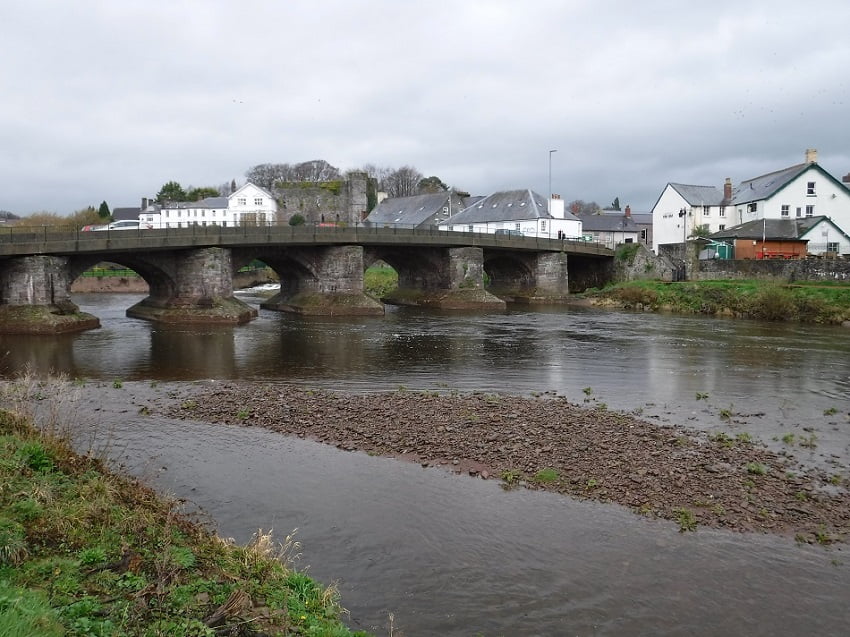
x=209, y=202
x=774, y=229
x=640, y=218
x=125, y=214
x=509, y=205
x=700, y=195
x=608, y=223
x=764, y=186
x=415, y=210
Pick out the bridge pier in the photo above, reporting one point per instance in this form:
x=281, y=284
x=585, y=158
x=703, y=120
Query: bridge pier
x=542, y=279
x=322, y=282
x=189, y=287
x=35, y=298
x=451, y=279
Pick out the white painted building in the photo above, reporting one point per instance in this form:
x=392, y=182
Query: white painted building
x=800, y=191
x=517, y=211
x=248, y=205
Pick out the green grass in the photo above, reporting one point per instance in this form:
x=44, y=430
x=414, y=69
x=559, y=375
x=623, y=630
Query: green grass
x=86, y=551
x=686, y=519
x=546, y=476
x=378, y=281
x=807, y=302
x=757, y=468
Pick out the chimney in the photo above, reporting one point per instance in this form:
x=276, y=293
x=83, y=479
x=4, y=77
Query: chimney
x=144, y=203
x=811, y=156
x=628, y=211
x=727, y=189
x=846, y=178
x=556, y=207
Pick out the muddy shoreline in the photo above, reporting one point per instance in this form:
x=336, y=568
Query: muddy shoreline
x=548, y=443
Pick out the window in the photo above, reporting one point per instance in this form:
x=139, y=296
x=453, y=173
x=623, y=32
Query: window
x=470, y=228
x=707, y=211
x=258, y=201
x=542, y=225
x=241, y=201
x=799, y=211
x=516, y=226
x=832, y=246
x=722, y=226
x=810, y=188
x=722, y=212
x=810, y=211
x=643, y=235
x=786, y=210
x=752, y=207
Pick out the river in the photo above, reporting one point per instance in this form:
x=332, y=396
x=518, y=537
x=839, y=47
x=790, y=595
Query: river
x=449, y=555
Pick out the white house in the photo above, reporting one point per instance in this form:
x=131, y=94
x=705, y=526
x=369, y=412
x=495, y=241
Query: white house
x=611, y=229
x=248, y=205
x=517, y=211
x=799, y=191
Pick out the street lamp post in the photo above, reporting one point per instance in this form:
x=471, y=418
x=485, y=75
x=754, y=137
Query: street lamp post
x=683, y=214
x=549, y=205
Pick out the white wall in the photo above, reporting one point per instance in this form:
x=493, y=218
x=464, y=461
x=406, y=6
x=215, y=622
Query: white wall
x=830, y=199
x=666, y=222
x=544, y=228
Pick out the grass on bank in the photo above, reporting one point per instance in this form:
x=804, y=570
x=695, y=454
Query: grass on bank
x=85, y=551
x=380, y=280
x=806, y=302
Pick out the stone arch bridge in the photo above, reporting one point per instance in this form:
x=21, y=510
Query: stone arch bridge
x=190, y=271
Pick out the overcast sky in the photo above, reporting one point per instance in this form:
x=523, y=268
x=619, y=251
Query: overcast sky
x=108, y=100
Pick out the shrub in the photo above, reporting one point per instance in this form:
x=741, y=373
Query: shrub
x=773, y=304
x=632, y=296
x=297, y=220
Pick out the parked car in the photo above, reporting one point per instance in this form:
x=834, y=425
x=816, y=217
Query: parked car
x=124, y=224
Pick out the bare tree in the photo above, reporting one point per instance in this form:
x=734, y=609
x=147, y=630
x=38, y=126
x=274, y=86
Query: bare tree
x=314, y=170
x=580, y=207
x=266, y=175
x=402, y=182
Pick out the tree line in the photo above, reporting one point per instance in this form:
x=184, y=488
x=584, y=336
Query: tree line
x=396, y=182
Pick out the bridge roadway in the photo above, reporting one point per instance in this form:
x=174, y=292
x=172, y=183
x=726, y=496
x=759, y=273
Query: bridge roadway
x=190, y=270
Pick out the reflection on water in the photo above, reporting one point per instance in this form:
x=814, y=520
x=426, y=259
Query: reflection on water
x=455, y=556
x=775, y=378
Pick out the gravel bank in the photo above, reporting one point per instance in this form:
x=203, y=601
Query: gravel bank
x=549, y=443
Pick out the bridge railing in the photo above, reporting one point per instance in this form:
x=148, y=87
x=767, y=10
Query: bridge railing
x=49, y=234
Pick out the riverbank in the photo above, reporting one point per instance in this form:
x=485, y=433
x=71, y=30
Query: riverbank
x=547, y=443
x=87, y=551
x=805, y=302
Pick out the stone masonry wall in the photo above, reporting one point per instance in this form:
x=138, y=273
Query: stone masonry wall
x=773, y=269
x=340, y=201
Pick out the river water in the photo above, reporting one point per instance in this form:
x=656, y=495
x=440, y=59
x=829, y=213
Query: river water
x=450, y=555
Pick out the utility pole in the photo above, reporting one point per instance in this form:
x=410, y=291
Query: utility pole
x=549, y=205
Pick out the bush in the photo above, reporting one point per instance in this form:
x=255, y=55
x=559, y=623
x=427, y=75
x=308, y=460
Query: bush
x=633, y=296
x=297, y=220
x=773, y=304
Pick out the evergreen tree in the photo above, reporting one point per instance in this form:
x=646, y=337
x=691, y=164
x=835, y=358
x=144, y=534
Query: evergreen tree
x=103, y=211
